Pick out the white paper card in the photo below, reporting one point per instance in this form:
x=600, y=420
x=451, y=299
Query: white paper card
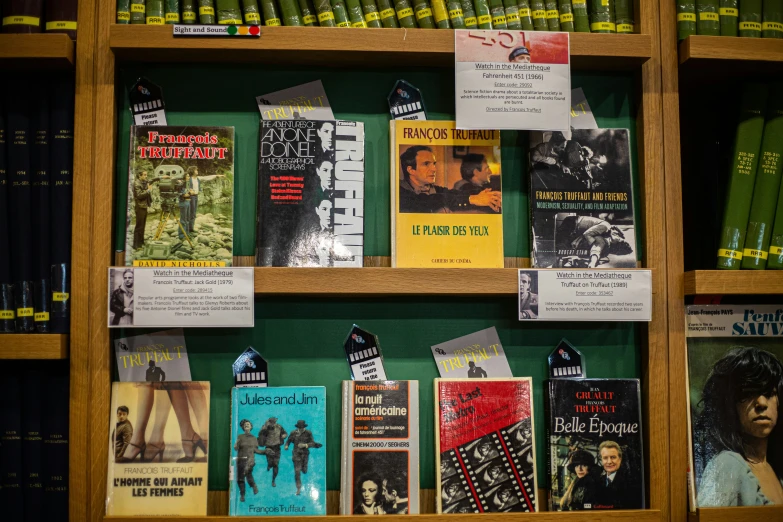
x=585, y=295
x=512, y=80
x=370, y=370
x=303, y=102
x=172, y=297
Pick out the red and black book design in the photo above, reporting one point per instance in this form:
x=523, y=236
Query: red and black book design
x=486, y=449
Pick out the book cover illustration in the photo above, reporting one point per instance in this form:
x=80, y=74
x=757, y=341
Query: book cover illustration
x=311, y=194
x=485, y=448
x=595, y=444
x=302, y=102
x=278, y=451
x=156, y=357
x=446, y=201
x=581, y=192
x=180, y=197
x=158, y=445
x=476, y=356
x=735, y=381
x=380, y=448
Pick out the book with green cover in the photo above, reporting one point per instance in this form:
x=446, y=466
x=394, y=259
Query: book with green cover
x=686, y=18
x=228, y=12
x=483, y=14
x=525, y=15
x=581, y=16
x=456, y=15
x=154, y=14
x=538, y=12
x=355, y=13
x=750, y=19
x=123, y=12
x=388, y=14
x=765, y=191
x=498, y=13
x=292, y=16
x=729, y=17
x=309, y=17
x=708, y=22
x=512, y=14
x=206, y=11
x=469, y=14
x=172, y=11
x=323, y=9
x=250, y=12
x=772, y=19
x=371, y=14
x=566, y=15
x=423, y=14
x=404, y=14
x=137, y=10
x=623, y=16
x=552, y=15
x=602, y=16
x=189, y=12
x=743, y=175
x=775, y=259
x=441, y=14
x=270, y=12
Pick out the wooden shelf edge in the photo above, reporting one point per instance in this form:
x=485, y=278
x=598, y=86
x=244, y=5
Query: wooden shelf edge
x=33, y=346
x=737, y=514
x=733, y=282
x=47, y=50
x=727, y=48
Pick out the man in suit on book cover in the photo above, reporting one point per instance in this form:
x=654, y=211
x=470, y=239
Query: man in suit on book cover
x=302, y=439
x=155, y=373
x=272, y=436
x=615, y=488
x=142, y=198
x=122, y=432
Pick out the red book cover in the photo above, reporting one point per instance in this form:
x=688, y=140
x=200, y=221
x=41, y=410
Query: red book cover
x=485, y=445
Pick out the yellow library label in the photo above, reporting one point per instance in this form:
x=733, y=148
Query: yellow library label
x=499, y=19
x=157, y=20
x=206, y=10
x=229, y=21
x=311, y=19
x=360, y=23
x=709, y=17
x=512, y=17
x=757, y=254
x=322, y=17
x=484, y=19
x=605, y=3
x=771, y=26
x=7, y=314
x=60, y=297
x=404, y=13
x=602, y=26
x=524, y=12
x=137, y=8
x=252, y=17
x=566, y=17
x=24, y=312
x=686, y=17
x=423, y=13
x=172, y=18
x=578, y=4
x=470, y=21
x=539, y=14
x=372, y=17
x=775, y=250
x=728, y=11
x=272, y=22
x=344, y=24
x=121, y=15
x=21, y=20
x=624, y=28
x=733, y=254
x=41, y=316
x=386, y=13
x=190, y=16
x=68, y=26
x=455, y=13
x=552, y=13
x=749, y=26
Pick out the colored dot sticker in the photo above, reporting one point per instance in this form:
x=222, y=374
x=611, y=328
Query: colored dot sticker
x=231, y=29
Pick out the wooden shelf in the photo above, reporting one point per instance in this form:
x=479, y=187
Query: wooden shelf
x=718, y=51
x=340, y=48
x=737, y=514
x=733, y=282
x=33, y=346
x=36, y=51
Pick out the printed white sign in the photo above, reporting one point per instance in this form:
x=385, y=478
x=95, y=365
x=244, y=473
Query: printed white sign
x=512, y=80
x=193, y=297
x=585, y=295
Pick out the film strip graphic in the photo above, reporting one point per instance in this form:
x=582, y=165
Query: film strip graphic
x=568, y=371
x=528, y=485
x=361, y=356
x=456, y=487
x=251, y=377
x=407, y=109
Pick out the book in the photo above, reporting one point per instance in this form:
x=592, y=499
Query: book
x=538, y=12
x=251, y=12
x=158, y=463
x=422, y=10
x=54, y=425
x=745, y=159
x=750, y=19
x=595, y=444
x=326, y=15
x=686, y=18
x=7, y=310
x=512, y=15
x=138, y=8
x=772, y=19
x=284, y=428
x=498, y=13
x=735, y=370
x=623, y=16
x=483, y=14
x=154, y=357
x=22, y=16
x=582, y=200
x=302, y=102
x=445, y=196
x=552, y=15
x=11, y=443
x=485, y=446
x=61, y=17
x=581, y=16
x=602, y=17
x=708, y=22
x=477, y=356
x=154, y=12
x=172, y=12
x=311, y=194
x=206, y=12
x=40, y=206
x=189, y=12
x=404, y=11
x=228, y=12
x=566, y=15
x=180, y=209
x=309, y=17
x=729, y=17
x=380, y=448
x=385, y=10
x=32, y=442
x=469, y=14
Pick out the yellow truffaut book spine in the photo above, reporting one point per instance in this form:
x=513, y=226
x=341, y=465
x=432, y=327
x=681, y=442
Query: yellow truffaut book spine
x=446, y=196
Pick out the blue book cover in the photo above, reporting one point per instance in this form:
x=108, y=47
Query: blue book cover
x=278, y=451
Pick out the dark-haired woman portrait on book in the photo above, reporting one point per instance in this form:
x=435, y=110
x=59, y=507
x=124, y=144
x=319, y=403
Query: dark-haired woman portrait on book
x=583, y=486
x=737, y=431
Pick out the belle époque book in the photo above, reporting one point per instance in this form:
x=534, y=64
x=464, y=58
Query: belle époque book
x=581, y=199
x=180, y=210
x=735, y=370
x=380, y=448
x=477, y=356
x=158, y=445
x=311, y=193
x=485, y=447
x=155, y=357
x=278, y=451
x=446, y=201
x=595, y=455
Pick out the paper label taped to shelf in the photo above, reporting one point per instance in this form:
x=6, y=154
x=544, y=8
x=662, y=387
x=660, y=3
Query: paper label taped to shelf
x=585, y=295
x=216, y=30
x=174, y=297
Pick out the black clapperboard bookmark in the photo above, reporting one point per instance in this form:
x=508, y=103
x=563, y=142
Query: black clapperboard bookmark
x=146, y=103
x=250, y=369
x=566, y=362
x=363, y=352
x=406, y=102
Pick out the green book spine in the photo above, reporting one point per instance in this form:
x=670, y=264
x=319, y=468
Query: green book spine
x=566, y=15
x=371, y=14
x=602, y=16
x=323, y=8
x=538, y=12
x=250, y=11
x=483, y=14
x=686, y=18
x=137, y=10
x=189, y=11
x=270, y=12
x=228, y=12
x=750, y=19
x=552, y=15
x=525, y=15
x=172, y=11
x=745, y=160
x=123, y=11
x=355, y=13
x=512, y=14
x=340, y=13
x=155, y=13
x=206, y=12
x=772, y=19
x=469, y=14
x=387, y=13
x=423, y=14
x=775, y=260
x=708, y=22
x=581, y=16
x=765, y=191
x=729, y=17
x=405, y=14
x=456, y=15
x=498, y=13
x=441, y=14
x=623, y=16
x=307, y=9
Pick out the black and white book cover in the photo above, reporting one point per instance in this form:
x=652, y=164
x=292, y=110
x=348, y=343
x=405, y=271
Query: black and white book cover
x=595, y=458
x=581, y=191
x=311, y=194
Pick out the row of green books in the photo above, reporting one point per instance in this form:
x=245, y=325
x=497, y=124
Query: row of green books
x=746, y=18
x=597, y=16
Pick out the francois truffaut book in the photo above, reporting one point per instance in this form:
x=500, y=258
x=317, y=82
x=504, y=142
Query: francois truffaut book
x=180, y=197
x=153, y=357
x=485, y=448
x=311, y=193
x=158, y=437
x=278, y=438
x=581, y=192
x=380, y=448
x=595, y=444
x=735, y=380
x=477, y=356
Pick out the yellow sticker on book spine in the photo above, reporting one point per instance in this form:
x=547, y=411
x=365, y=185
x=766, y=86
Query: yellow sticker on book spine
x=372, y=17
x=524, y=13
x=775, y=250
x=455, y=13
x=25, y=312
x=22, y=20
x=230, y=21
x=7, y=314
x=686, y=17
x=756, y=254
x=602, y=26
x=578, y=4
x=252, y=18
x=360, y=23
x=190, y=16
x=709, y=17
x=404, y=13
x=512, y=17
x=67, y=26
x=323, y=17
x=728, y=11
x=157, y=20
x=272, y=22
x=552, y=13
x=484, y=19
x=772, y=26
x=138, y=8
x=309, y=19
x=537, y=15
x=206, y=10
x=122, y=15
x=423, y=13
x=733, y=254
x=499, y=19
x=60, y=297
x=624, y=28
x=172, y=18
x=41, y=316
x=386, y=13
x=470, y=21
x=566, y=17
x=344, y=24
x=749, y=26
